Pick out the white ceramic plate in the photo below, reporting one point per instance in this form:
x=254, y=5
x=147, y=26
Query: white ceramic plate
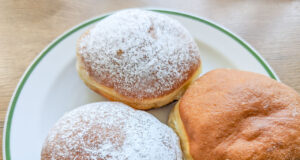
x=50, y=86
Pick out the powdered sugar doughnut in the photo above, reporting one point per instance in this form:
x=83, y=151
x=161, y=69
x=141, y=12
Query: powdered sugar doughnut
x=110, y=131
x=141, y=58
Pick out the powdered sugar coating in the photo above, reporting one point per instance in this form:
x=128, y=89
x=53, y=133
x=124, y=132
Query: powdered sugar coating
x=139, y=53
x=110, y=131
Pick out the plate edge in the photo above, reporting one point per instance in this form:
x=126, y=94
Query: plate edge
x=229, y=33
x=9, y=112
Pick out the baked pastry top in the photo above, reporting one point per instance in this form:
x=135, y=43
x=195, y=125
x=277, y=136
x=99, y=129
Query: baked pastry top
x=140, y=54
x=110, y=131
x=239, y=115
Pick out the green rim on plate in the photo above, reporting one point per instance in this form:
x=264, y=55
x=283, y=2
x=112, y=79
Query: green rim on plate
x=43, y=54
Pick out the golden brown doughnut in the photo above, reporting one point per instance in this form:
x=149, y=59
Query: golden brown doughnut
x=110, y=131
x=237, y=115
x=141, y=58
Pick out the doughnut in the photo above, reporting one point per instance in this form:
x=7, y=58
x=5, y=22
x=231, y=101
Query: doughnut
x=110, y=131
x=141, y=58
x=237, y=115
